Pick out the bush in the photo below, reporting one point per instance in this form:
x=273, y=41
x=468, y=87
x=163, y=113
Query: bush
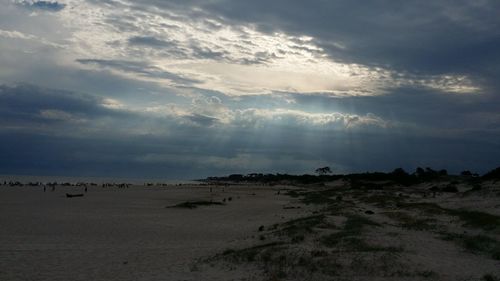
x=450, y=188
x=492, y=175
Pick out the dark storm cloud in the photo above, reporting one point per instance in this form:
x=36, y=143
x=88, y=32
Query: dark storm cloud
x=52, y=6
x=411, y=35
x=31, y=144
x=141, y=68
x=198, y=153
x=27, y=99
x=35, y=154
x=431, y=37
x=24, y=106
x=436, y=37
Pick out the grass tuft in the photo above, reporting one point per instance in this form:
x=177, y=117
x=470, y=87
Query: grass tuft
x=481, y=244
x=348, y=238
x=490, y=277
x=194, y=204
x=410, y=222
x=477, y=219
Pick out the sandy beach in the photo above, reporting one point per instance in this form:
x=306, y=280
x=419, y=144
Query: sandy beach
x=125, y=234
x=257, y=233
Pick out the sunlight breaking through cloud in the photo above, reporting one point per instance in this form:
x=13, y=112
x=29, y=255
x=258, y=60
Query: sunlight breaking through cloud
x=232, y=83
x=235, y=60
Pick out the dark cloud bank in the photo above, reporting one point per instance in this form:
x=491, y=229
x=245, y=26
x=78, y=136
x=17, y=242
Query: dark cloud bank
x=435, y=37
x=56, y=132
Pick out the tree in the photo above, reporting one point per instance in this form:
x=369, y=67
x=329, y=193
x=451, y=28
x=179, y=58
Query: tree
x=443, y=172
x=492, y=175
x=419, y=172
x=400, y=172
x=466, y=173
x=323, y=171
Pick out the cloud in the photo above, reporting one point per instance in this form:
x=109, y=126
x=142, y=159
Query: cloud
x=59, y=115
x=178, y=46
x=275, y=85
x=212, y=112
x=29, y=108
x=13, y=34
x=202, y=120
x=148, y=41
x=429, y=39
x=62, y=132
x=375, y=33
x=141, y=68
x=26, y=103
x=250, y=51
x=51, y=6
x=16, y=35
x=306, y=120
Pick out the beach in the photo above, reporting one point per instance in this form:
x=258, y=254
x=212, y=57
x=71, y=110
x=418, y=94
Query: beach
x=244, y=232
x=124, y=234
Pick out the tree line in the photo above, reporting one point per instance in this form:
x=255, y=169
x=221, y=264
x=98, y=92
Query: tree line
x=325, y=174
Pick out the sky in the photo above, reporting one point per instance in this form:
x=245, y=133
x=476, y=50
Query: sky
x=196, y=88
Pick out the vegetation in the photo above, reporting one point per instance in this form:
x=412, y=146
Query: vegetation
x=195, y=204
x=251, y=253
x=477, y=219
x=275, y=178
x=411, y=222
x=397, y=176
x=349, y=237
x=470, y=218
x=278, y=261
x=343, y=234
x=319, y=197
x=490, y=277
x=301, y=226
x=476, y=243
x=323, y=171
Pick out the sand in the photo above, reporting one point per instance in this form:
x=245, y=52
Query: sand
x=129, y=234
x=124, y=234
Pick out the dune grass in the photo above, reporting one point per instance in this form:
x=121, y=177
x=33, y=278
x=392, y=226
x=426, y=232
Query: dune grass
x=195, y=204
x=349, y=237
x=298, y=229
x=411, y=222
x=475, y=219
x=479, y=244
x=250, y=254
